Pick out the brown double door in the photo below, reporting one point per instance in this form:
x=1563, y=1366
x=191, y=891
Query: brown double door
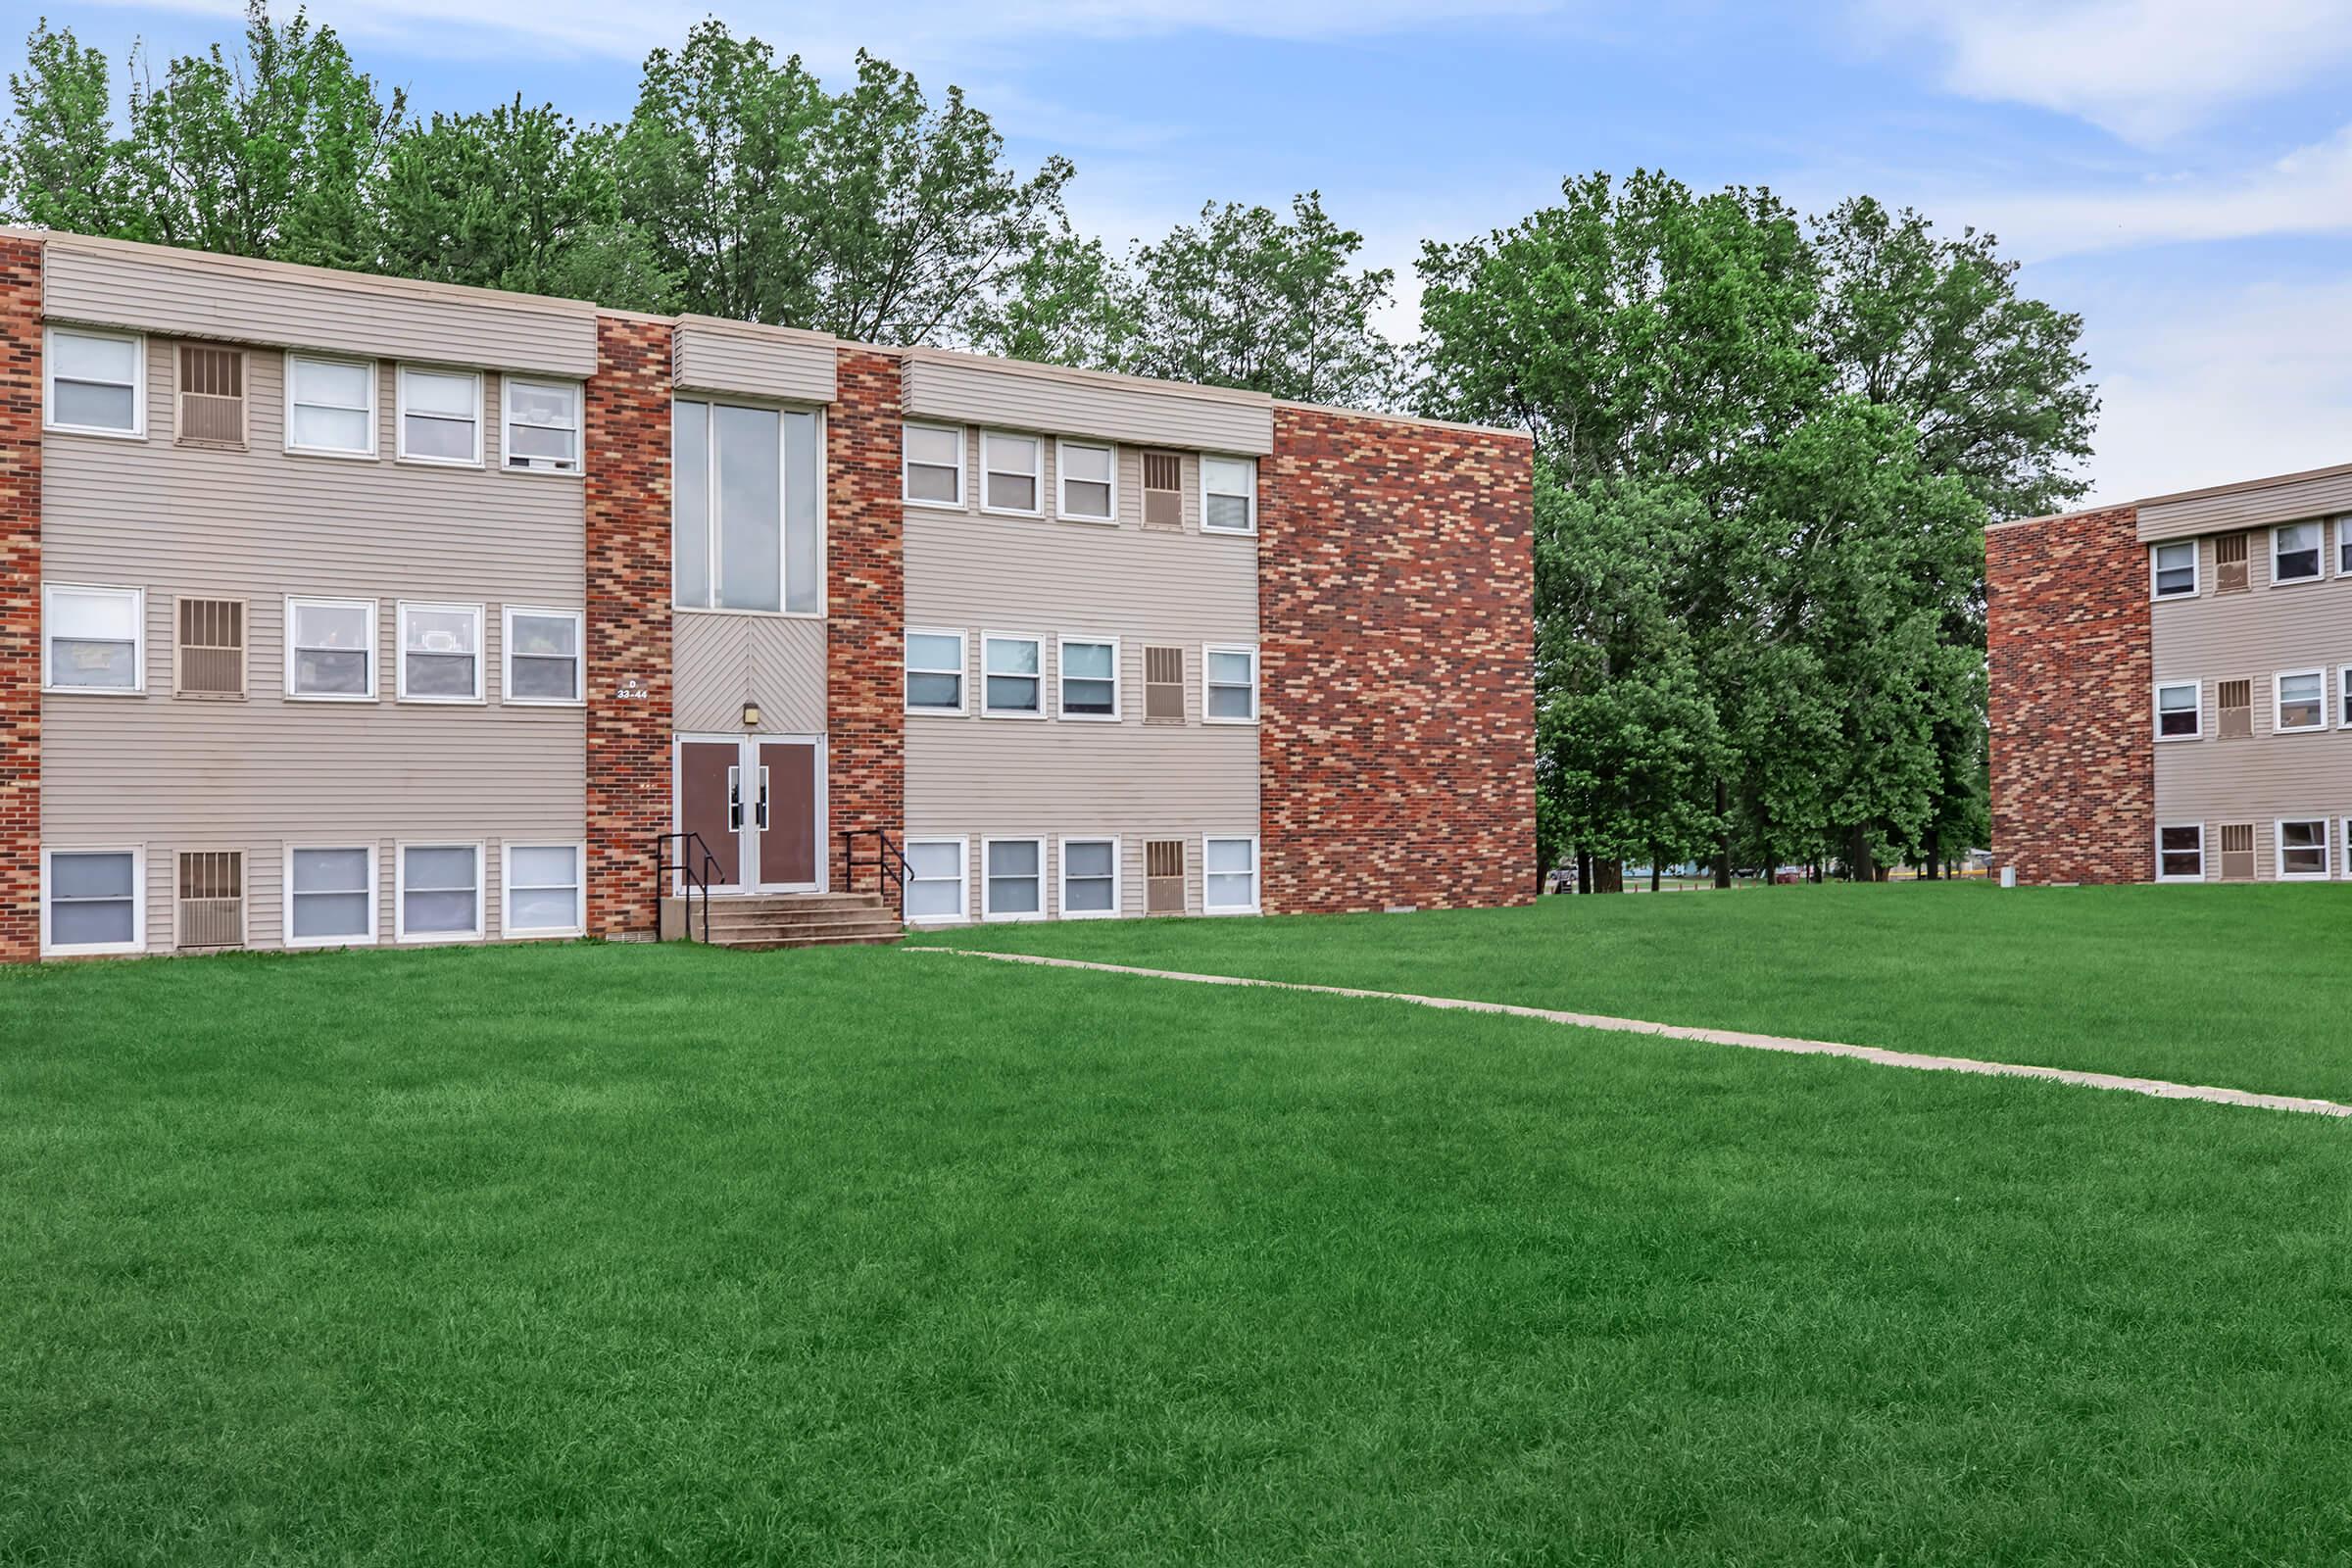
x=758, y=806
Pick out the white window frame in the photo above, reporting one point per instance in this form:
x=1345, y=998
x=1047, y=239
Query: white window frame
x=400, y=890
x=2278, y=870
x=400, y=651
x=376, y=377
x=2196, y=690
x=1257, y=680
x=2279, y=702
x=964, y=672
x=506, y=889
x=2163, y=828
x=400, y=416
x=906, y=462
x=138, y=899
x=138, y=383
x=987, y=909
x=1037, y=473
x=2343, y=697
x=963, y=881
x=1118, y=877
x=506, y=425
x=285, y=908
x=375, y=650
x=1207, y=458
x=1061, y=482
x=1045, y=676
x=2343, y=527
x=2278, y=528
x=2196, y=569
x=1119, y=680
x=713, y=532
x=505, y=656
x=138, y=649
x=1257, y=874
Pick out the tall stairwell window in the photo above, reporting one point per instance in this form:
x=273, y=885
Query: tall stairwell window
x=747, y=526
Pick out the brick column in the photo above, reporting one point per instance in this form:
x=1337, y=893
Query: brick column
x=1395, y=602
x=865, y=606
x=2074, y=756
x=628, y=647
x=20, y=600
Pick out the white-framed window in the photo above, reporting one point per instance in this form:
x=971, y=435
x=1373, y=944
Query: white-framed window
x=331, y=895
x=437, y=893
x=2344, y=545
x=1229, y=875
x=543, y=661
x=94, y=900
x=935, y=667
x=2179, y=709
x=938, y=871
x=97, y=382
x=1088, y=668
x=542, y=427
x=933, y=465
x=2295, y=551
x=440, y=653
x=1012, y=474
x=1089, y=879
x=2302, y=845
x=2173, y=569
x=1087, y=475
x=330, y=650
x=1012, y=879
x=544, y=894
x=1228, y=495
x=1229, y=684
x=2181, y=852
x=747, y=517
x=330, y=406
x=2343, y=696
x=2300, y=701
x=1013, y=676
x=94, y=639
x=440, y=416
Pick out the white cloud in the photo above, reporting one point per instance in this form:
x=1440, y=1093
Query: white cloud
x=2145, y=69
x=2199, y=391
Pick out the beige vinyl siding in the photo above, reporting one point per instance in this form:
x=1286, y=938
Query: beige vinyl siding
x=2291, y=500
x=233, y=299
x=2252, y=636
x=723, y=660
x=1052, y=778
x=743, y=357
x=968, y=389
x=259, y=526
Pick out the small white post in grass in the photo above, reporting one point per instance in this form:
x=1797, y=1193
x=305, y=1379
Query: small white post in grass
x=2008, y=876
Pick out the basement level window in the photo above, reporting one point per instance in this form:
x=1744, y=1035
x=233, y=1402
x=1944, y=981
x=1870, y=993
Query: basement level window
x=2303, y=850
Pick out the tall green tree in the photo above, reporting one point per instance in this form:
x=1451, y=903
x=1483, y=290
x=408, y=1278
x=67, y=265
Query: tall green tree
x=518, y=198
x=61, y=165
x=270, y=153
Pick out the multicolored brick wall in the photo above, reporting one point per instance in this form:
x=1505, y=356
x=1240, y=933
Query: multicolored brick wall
x=1396, y=744
x=2073, y=763
x=866, y=603
x=629, y=649
x=20, y=600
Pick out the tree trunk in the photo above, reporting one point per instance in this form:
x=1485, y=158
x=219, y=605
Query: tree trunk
x=1935, y=854
x=1608, y=877
x=1723, y=841
x=1584, y=870
x=1653, y=868
x=1858, y=865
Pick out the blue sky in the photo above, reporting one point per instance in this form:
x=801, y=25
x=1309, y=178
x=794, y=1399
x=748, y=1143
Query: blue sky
x=2179, y=172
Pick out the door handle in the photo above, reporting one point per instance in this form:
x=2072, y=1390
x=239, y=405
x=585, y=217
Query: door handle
x=761, y=816
x=735, y=799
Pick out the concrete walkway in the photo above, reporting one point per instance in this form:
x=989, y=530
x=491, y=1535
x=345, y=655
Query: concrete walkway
x=2156, y=1087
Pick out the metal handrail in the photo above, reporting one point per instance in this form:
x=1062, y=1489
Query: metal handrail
x=690, y=842
x=889, y=863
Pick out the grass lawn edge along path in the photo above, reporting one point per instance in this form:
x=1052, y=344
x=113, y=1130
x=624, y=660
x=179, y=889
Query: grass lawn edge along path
x=2156, y=1088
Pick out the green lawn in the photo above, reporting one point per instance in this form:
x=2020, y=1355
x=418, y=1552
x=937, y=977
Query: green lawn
x=2237, y=986
x=621, y=1255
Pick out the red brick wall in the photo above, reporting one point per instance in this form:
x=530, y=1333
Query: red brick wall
x=1396, y=631
x=865, y=604
x=20, y=599
x=2073, y=766
x=627, y=451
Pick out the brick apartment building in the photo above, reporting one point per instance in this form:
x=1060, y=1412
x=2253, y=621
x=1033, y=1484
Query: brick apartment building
x=2172, y=687
x=339, y=609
